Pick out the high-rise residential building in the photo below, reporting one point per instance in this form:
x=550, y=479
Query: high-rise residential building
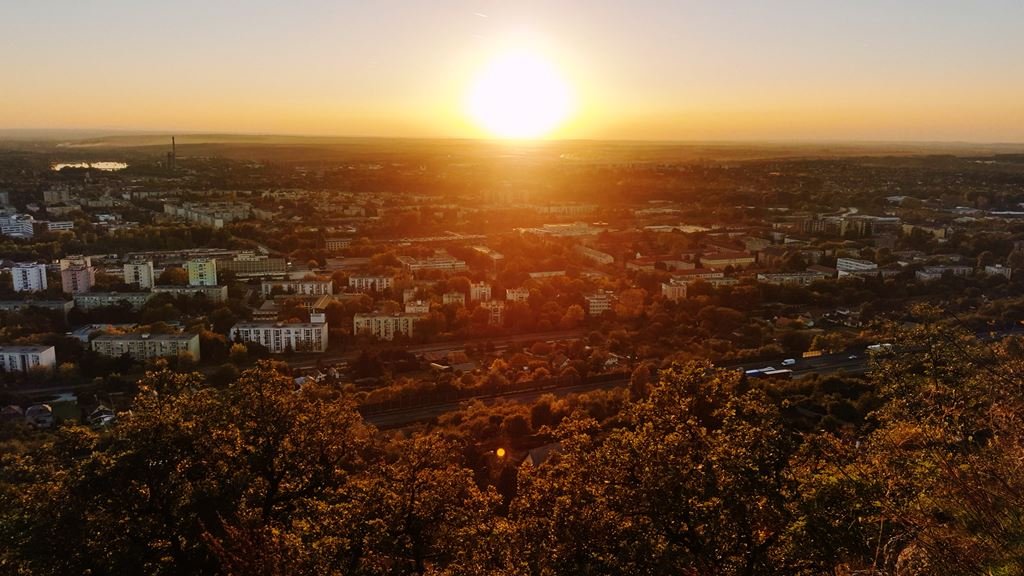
x=28, y=277
x=77, y=275
x=202, y=272
x=139, y=273
x=25, y=358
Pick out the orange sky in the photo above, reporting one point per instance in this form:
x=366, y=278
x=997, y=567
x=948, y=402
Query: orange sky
x=790, y=69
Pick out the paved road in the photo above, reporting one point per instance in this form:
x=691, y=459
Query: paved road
x=310, y=361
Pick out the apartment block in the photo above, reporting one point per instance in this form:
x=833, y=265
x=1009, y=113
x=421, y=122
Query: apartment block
x=202, y=272
x=28, y=277
x=140, y=274
x=77, y=275
x=25, y=358
x=384, y=326
x=144, y=347
x=279, y=337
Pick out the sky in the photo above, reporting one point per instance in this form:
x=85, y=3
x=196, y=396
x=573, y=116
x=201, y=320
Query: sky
x=865, y=70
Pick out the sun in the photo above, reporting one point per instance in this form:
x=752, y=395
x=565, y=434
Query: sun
x=519, y=95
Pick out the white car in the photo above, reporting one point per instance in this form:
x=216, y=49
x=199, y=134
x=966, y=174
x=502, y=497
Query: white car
x=789, y=362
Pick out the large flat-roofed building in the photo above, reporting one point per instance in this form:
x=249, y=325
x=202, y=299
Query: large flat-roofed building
x=370, y=283
x=336, y=244
x=25, y=358
x=724, y=259
x=306, y=287
x=250, y=265
x=77, y=274
x=211, y=293
x=28, y=277
x=143, y=347
x=213, y=214
x=792, y=278
x=202, y=272
x=93, y=300
x=441, y=262
x=140, y=274
x=62, y=306
x=384, y=326
x=279, y=337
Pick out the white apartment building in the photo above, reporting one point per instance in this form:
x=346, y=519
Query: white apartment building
x=517, y=294
x=279, y=337
x=25, y=358
x=305, y=287
x=370, y=283
x=143, y=347
x=77, y=275
x=854, y=265
x=479, y=292
x=384, y=326
x=139, y=273
x=17, y=225
x=28, y=277
x=202, y=272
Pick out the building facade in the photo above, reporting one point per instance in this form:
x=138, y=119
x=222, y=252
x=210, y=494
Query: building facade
x=305, y=287
x=202, y=272
x=93, y=300
x=144, y=347
x=140, y=274
x=28, y=277
x=370, y=283
x=479, y=292
x=279, y=337
x=77, y=276
x=25, y=358
x=384, y=326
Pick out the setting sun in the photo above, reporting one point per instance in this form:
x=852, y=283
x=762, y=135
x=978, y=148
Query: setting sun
x=519, y=95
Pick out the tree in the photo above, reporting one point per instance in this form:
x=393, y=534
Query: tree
x=239, y=353
x=694, y=482
x=173, y=277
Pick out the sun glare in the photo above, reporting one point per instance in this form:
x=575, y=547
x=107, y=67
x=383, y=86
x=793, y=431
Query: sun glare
x=519, y=95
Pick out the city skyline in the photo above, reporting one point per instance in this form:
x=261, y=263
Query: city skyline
x=688, y=72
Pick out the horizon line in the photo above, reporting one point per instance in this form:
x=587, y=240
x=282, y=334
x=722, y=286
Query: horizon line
x=97, y=133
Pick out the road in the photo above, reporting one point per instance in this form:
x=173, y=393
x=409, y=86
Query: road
x=850, y=362
x=311, y=361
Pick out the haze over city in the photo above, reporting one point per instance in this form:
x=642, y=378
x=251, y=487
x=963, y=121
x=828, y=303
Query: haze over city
x=746, y=70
